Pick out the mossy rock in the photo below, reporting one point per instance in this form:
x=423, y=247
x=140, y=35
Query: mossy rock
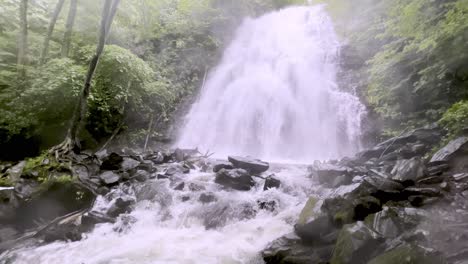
x=308, y=212
x=355, y=244
x=408, y=254
x=41, y=168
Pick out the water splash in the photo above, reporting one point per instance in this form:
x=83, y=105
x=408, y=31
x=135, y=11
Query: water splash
x=274, y=94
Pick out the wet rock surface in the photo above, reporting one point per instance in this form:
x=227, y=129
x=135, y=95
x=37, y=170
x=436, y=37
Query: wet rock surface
x=394, y=203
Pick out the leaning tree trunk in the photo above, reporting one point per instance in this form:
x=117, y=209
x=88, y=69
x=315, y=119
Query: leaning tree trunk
x=69, y=28
x=50, y=30
x=71, y=141
x=23, y=37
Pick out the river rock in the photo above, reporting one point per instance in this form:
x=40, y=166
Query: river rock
x=111, y=162
x=109, y=177
x=327, y=173
x=408, y=171
x=207, y=197
x=291, y=249
x=120, y=206
x=271, y=182
x=356, y=243
x=320, y=231
x=249, y=164
x=129, y=164
x=453, y=148
x=238, y=179
x=222, y=165
x=408, y=253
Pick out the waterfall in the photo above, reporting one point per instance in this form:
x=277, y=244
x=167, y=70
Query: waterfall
x=274, y=94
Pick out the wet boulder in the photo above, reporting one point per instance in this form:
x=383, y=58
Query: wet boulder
x=391, y=222
x=291, y=249
x=327, y=173
x=249, y=164
x=356, y=243
x=176, y=169
x=129, y=164
x=222, y=165
x=320, y=231
x=271, y=182
x=237, y=179
x=141, y=175
x=408, y=171
x=120, y=206
x=109, y=177
x=454, y=148
x=208, y=197
x=408, y=253
x=111, y=162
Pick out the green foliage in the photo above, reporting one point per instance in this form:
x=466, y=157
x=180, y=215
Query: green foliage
x=456, y=118
x=416, y=55
x=43, y=167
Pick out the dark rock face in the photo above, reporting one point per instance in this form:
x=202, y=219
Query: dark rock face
x=271, y=182
x=111, y=162
x=388, y=207
x=222, y=165
x=238, y=179
x=251, y=165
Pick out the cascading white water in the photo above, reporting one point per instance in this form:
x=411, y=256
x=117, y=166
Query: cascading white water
x=274, y=94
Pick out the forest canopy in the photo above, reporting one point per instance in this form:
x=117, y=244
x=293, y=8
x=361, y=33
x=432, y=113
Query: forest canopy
x=157, y=54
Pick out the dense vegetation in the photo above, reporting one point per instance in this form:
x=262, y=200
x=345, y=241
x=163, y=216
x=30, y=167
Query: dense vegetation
x=157, y=55
x=410, y=58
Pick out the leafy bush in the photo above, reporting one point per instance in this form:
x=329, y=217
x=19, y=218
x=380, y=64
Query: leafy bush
x=456, y=118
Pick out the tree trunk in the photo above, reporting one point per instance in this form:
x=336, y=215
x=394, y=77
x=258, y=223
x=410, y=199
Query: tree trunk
x=108, y=13
x=50, y=30
x=69, y=28
x=23, y=37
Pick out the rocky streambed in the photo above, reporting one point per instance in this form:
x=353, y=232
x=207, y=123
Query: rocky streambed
x=401, y=201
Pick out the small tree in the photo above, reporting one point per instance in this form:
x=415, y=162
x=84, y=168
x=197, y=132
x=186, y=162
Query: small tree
x=71, y=142
x=69, y=28
x=23, y=37
x=50, y=30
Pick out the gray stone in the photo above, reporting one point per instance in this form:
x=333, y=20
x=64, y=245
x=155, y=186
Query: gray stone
x=109, y=177
x=238, y=179
x=129, y=164
x=271, y=182
x=408, y=171
x=222, y=165
x=207, y=197
x=249, y=164
x=451, y=149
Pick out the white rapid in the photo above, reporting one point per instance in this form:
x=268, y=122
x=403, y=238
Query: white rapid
x=166, y=228
x=274, y=95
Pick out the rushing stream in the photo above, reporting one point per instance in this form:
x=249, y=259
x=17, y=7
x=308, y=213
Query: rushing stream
x=273, y=96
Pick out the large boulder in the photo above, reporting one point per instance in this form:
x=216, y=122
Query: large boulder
x=271, y=182
x=407, y=253
x=238, y=179
x=328, y=174
x=356, y=243
x=320, y=231
x=222, y=165
x=453, y=149
x=111, y=162
x=290, y=249
x=408, y=171
x=249, y=164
